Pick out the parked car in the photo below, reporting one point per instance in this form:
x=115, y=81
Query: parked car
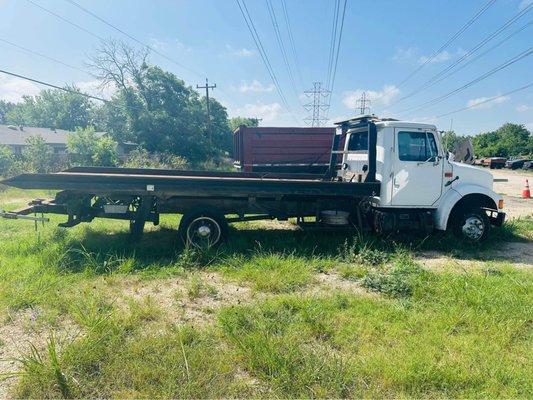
x=528, y=165
x=515, y=163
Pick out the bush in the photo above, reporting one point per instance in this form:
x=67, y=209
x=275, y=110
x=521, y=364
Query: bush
x=87, y=148
x=105, y=152
x=6, y=160
x=141, y=158
x=38, y=155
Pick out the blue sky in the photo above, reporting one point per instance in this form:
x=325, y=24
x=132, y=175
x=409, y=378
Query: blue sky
x=382, y=43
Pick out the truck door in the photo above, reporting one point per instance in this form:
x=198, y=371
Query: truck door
x=417, y=179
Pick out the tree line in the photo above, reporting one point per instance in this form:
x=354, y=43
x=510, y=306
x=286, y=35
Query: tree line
x=149, y=106
x=506, y=141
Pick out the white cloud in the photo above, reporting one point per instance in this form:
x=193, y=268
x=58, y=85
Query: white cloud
x=404, y=54
x=255, y=86
x=378, y=98
x=241, y=53
x=95, y=88
x=12, y=89
x=524, y=108
x=489, y=104
x=529, y=126
x=169, y=45
x=425, y=120
x=441, y=57
x=524, y=3
x=268, y=112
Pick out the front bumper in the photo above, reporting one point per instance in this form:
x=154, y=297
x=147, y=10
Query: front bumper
x=497, y=218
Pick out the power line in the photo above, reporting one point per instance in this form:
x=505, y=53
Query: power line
x=65, y=89
x=487, y=100
x=439, y=99
x=332, y=40
x=448, y=42
x=44, y=56
x=68, y=90
x=151, y=48
x=281, y=45
x=66, y=20
x=264, y=56
x=291, y=40
x=443, y=47
x=332, y=83
x=465, y=56
x=485, y=52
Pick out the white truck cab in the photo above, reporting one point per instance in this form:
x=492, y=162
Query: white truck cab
x=418, y=182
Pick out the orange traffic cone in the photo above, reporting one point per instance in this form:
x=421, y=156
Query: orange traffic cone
x=526, y=193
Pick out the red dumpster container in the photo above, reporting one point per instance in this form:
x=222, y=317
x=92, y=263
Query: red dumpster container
x=296, y=150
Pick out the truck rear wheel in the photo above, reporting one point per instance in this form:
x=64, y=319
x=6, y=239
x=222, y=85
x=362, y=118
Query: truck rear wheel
x=472, y=224
x=203, y=229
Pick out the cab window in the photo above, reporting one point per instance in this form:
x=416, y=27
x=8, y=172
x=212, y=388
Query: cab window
x=417, y=146
x=358, y=141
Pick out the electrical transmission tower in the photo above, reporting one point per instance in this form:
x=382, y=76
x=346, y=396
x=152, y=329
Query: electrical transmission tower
x=318, y=106
x=361, y=104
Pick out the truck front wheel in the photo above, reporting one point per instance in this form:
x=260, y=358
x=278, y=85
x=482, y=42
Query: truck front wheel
x=202, y=229
x=472, y=224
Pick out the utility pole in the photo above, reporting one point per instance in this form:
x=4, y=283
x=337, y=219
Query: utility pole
x=361, y=104
x=207, y=87
x=318, y=106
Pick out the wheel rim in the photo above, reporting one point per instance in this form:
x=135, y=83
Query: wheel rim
x=203, y=232
x=473, y=228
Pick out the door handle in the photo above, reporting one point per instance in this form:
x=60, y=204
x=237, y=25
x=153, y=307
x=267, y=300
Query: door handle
x=396, y=185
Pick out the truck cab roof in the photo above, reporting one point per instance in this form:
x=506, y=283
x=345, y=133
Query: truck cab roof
x=386, y=122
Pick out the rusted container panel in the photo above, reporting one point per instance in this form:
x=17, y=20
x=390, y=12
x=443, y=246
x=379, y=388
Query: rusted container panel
x=282, y=149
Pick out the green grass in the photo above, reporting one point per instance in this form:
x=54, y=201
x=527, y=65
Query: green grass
x=458, y=336
x=415, y=333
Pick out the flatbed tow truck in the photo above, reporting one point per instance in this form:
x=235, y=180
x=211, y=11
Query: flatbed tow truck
x=389, y=176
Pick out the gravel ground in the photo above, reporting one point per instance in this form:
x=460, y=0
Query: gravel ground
x=515, y=205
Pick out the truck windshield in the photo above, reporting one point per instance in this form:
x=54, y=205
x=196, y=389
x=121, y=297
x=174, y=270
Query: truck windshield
x=358, y=141
x=416, y=146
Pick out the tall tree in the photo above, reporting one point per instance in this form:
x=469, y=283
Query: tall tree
x=161, y=113
x=234, y=123
x=5, y=107
x=508, y=140
x=52, y=108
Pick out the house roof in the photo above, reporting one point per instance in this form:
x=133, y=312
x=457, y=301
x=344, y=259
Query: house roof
x=13, y=135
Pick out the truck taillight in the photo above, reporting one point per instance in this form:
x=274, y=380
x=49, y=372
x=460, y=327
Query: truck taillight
x=500, y=204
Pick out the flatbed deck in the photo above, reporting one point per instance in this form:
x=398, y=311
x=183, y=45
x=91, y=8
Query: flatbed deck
x=155, y=182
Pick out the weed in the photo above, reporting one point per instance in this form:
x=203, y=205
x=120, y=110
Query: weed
x=398, y=280
x=361, y=251
x=46, y=370
x=196, y=288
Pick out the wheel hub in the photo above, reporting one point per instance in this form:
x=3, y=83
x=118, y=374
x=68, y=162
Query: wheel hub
x=204, y=231
x=473, y=228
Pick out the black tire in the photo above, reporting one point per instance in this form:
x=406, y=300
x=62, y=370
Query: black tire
x=471, y=224
x=203, y=229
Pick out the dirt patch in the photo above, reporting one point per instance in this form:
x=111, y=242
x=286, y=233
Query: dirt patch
x=197, y=298
x=18, y=333
x=518, y=255
x=179, y=305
